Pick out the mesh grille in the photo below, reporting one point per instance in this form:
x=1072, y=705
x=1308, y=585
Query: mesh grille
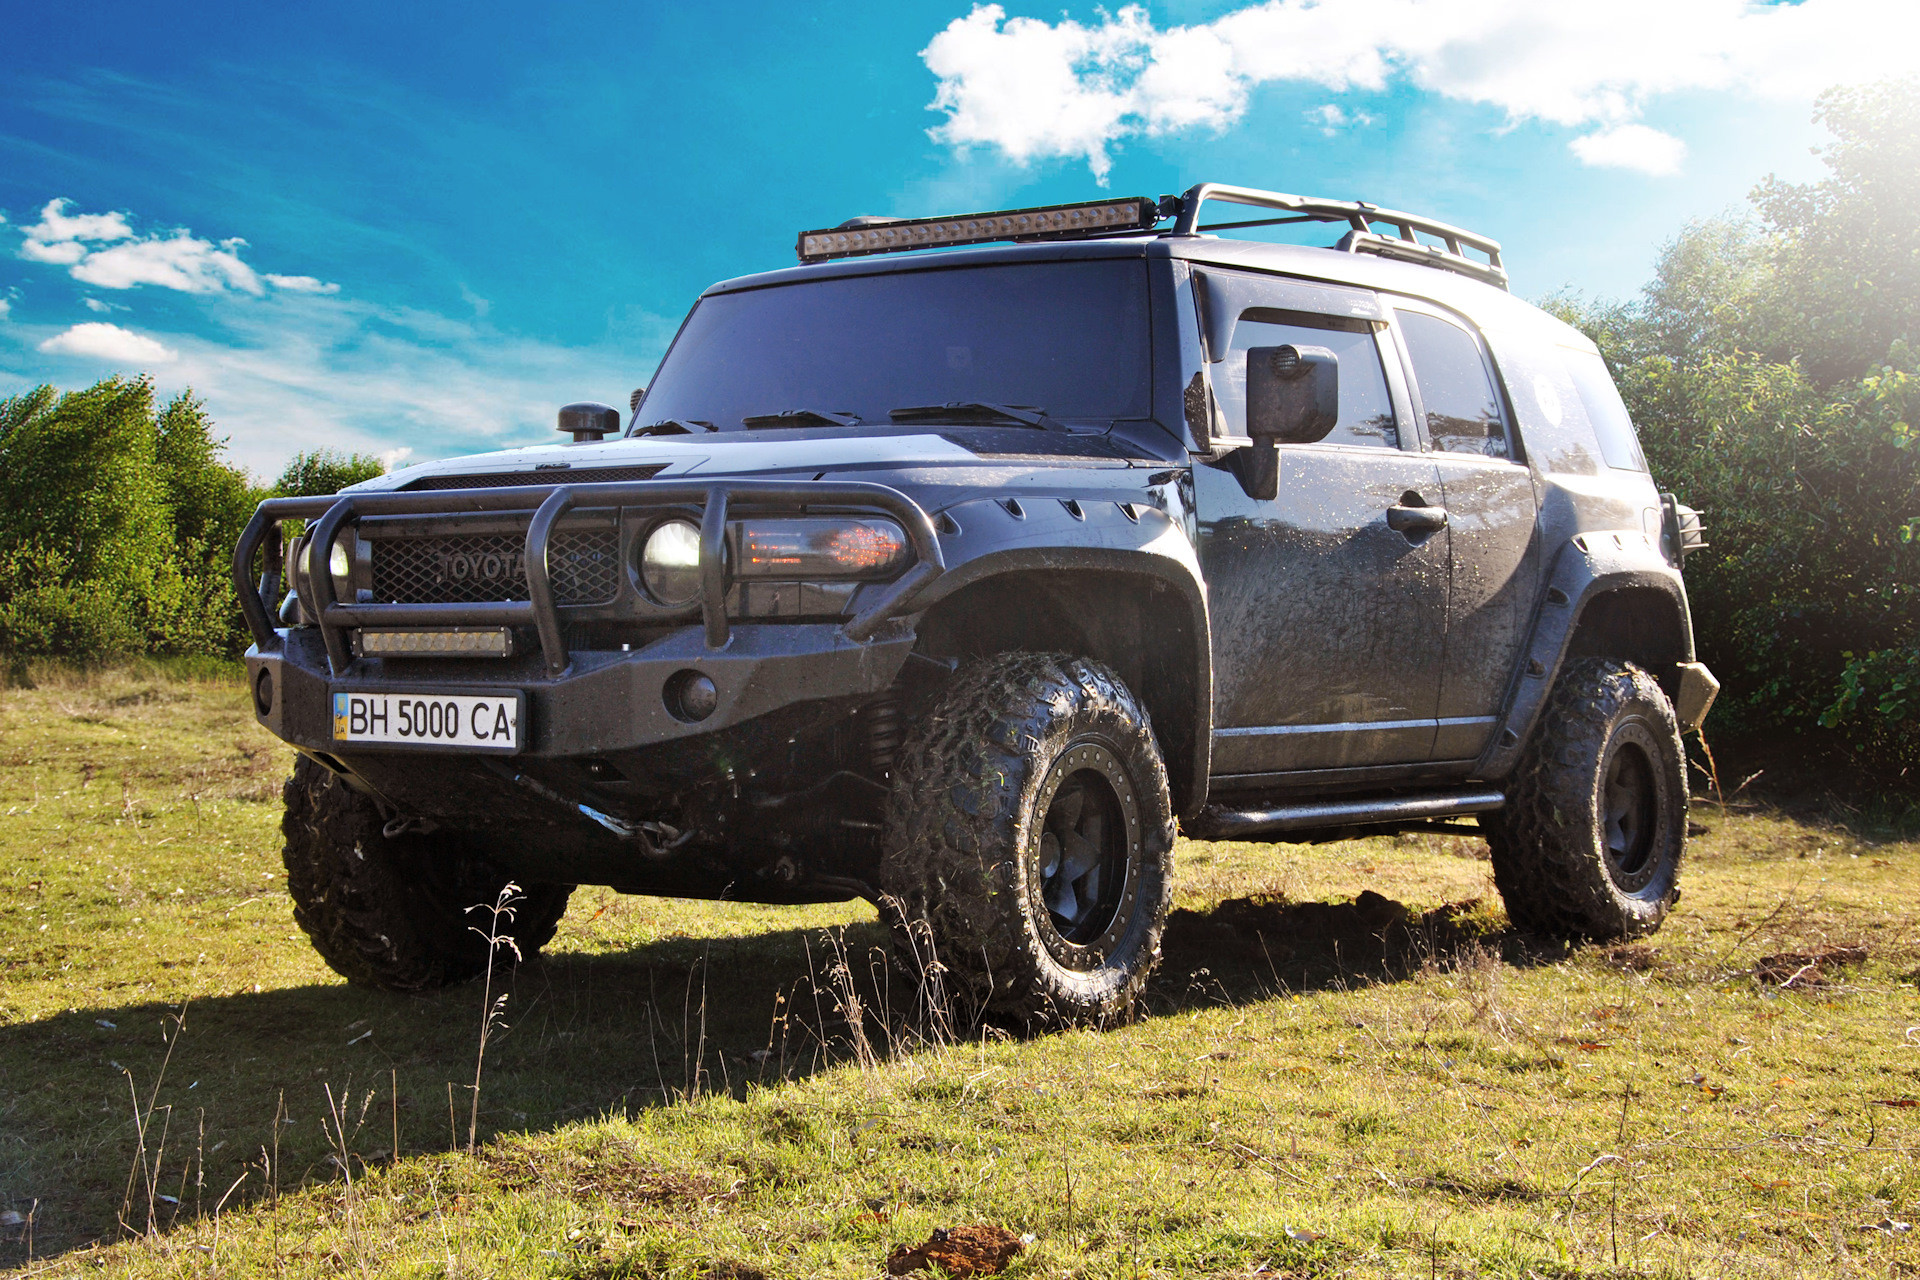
x=507, y=479
x=583, y=563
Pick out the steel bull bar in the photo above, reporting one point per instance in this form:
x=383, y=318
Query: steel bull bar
x=548, y=503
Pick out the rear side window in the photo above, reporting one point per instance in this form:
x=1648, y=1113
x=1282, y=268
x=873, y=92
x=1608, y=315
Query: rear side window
x=1456, y=387
x=1366, y=411
x=1606, y=412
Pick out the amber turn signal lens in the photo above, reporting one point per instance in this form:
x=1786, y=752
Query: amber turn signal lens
x=807, y=549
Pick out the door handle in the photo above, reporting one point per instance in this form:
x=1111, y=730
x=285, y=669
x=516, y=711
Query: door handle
x=1416, y=519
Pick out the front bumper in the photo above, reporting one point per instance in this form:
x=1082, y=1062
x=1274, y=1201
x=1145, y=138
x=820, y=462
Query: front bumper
x=604, y=703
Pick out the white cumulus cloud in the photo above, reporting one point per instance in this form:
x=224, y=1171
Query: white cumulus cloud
x=179, y=261
x=1039, y=90
x=104, y=249
x=302, y=371
x=1632, y=146
x=5, y=306
x=102, y=341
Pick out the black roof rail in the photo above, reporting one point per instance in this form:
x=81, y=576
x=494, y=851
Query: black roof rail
x=1360, y=217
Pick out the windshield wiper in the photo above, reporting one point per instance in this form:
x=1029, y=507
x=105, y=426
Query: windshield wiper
x=967, y=411
x=801, y=418
x=676, y=427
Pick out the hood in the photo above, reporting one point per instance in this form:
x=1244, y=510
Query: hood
x=744, y=453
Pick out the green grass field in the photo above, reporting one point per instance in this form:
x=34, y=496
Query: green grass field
x=1347, y=1066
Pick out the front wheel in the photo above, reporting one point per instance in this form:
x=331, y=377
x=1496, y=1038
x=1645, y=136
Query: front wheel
x=397, y=912
x=1031, y=830
x=1590, y=842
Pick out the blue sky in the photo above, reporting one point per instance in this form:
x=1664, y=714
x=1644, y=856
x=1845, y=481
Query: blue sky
x=416, y=229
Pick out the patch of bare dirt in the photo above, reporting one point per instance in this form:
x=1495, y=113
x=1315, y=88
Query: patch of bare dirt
x=1807, y=968
x=959, y=1252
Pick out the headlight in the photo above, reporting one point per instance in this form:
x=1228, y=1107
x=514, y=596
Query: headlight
x=811, y=549
x=670, y=563
x=339, y=567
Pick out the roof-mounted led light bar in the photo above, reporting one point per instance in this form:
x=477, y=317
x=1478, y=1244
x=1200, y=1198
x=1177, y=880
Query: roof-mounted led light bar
x=1049, y=222
x=1118, y=217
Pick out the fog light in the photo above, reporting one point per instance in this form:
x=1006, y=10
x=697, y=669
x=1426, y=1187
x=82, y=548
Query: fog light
x=263, y=692
x=690, y=696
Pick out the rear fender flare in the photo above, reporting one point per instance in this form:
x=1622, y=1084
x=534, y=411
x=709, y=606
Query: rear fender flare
x=1585, y=569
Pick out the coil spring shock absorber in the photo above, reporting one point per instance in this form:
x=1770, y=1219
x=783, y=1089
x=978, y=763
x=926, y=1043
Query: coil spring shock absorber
x=883, y=733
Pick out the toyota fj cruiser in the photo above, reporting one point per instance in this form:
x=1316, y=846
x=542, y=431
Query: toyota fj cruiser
x=960, y=566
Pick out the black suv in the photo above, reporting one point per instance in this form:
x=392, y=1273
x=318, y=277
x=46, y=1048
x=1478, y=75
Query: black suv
x=960, y=580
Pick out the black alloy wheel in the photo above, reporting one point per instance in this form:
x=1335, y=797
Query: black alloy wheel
x=1629, y=814
x=1084, y=855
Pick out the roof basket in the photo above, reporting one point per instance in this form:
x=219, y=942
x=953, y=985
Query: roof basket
x=1449, y=255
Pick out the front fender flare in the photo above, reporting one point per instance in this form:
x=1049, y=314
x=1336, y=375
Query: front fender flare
x=983, y=540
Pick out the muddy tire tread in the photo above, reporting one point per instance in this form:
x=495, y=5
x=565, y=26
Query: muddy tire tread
x=367, y=905
x=1549, y=878
x=951, y=856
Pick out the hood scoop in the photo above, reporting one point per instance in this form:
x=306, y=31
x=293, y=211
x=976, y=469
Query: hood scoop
x=548, y=475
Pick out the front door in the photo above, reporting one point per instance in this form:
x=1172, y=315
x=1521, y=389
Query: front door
x=1328, y=624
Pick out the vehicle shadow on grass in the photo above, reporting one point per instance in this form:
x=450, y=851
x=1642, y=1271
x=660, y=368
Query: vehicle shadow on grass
x=586, y=1034
x=1246, y=949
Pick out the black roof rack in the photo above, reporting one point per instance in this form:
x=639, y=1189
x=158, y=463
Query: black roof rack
x=1137, y=214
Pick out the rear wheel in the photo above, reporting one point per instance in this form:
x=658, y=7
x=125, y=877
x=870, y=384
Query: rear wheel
x=1030, y=837
x=1590, y=843
x=393, y=913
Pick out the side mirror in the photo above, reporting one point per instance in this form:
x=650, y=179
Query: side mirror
x=589, y=422
x=1293, y=397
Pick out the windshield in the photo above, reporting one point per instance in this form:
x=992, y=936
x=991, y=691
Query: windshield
x=1066, y=338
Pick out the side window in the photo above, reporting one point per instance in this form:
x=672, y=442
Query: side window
x=1605, y=410
x=1456, y=390
x=1366, y=411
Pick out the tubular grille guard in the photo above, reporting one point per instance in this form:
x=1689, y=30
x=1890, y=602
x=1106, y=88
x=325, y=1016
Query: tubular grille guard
x=584, y=567
x=548, y=503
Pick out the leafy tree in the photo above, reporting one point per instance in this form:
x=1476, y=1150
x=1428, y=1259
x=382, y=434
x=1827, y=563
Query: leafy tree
x=325, y=471
x=1845, y=251
x=1769, y=368
x=115, y=524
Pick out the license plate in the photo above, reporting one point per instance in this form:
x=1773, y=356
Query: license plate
x=488, y=722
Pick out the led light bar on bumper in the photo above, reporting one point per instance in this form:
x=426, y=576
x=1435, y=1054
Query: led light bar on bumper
x=1056, y=221
x=445, y=642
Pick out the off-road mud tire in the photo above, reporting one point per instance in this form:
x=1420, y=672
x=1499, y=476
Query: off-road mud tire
x=1550, y=856
x=391, y=913
x=965, y=815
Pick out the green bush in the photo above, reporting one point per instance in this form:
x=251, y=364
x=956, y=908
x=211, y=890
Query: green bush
x=46, y=613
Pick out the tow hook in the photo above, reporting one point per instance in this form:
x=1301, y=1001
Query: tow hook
x=656, y=839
